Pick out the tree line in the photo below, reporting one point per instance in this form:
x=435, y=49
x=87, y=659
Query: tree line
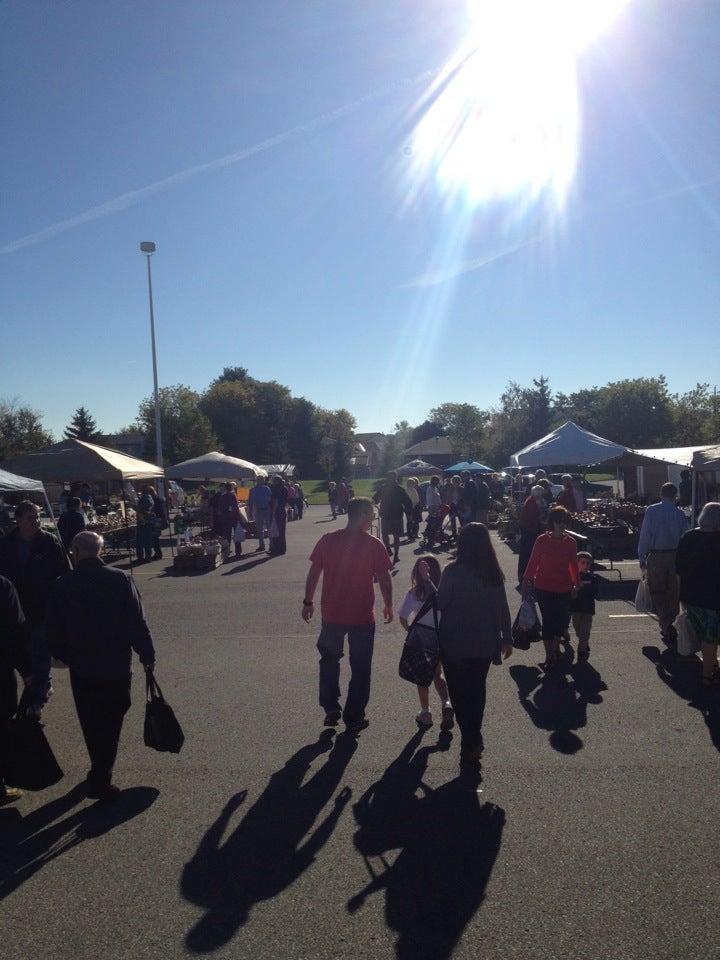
x=641, y=413
x=263, y=422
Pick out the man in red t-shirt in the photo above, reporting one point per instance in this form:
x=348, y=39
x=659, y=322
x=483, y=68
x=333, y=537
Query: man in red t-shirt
x=349, y=561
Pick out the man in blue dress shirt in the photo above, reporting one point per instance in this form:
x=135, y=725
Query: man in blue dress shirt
x=660, y=534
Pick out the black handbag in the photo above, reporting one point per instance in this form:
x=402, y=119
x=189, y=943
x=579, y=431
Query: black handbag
x=421, y=650
x=161, y=731
x=31, y=763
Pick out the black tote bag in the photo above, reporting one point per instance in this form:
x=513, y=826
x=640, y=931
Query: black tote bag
x=162, y=731
x=421, y=650
x=31, y=763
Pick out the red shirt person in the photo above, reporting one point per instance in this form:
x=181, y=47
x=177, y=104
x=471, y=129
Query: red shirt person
x=552, y=571
x=349, y=561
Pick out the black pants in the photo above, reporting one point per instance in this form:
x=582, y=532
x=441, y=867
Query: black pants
x=8, y=706
x=527, y=542
x=101, y=707
x=157, y=549
x=466, y=680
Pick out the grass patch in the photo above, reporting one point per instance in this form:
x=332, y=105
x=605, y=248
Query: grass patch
x=316, y=492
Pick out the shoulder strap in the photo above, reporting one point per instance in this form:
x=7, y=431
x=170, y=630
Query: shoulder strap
x=429, y=604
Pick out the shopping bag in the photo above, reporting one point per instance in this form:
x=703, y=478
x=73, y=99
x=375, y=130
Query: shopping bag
x=240, y=534
x=688, y=643
x=31, y=763
x=527, y=617
x=643, y=600
x=274, y=530
x=162, y=731
x=421, y=650
x=522, y=637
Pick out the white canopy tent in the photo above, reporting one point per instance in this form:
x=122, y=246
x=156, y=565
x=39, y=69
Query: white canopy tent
x=215, y=466
x=568, y=446
x=76, y=461
x=12, y=483
x=421, y=467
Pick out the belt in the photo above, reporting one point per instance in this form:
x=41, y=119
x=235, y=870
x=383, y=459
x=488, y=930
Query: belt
x=672, y=550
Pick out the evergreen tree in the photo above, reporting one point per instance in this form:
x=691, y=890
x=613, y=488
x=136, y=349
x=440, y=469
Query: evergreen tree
x=82, y=426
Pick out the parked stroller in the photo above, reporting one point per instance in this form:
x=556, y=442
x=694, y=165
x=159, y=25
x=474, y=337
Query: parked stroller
x=438, y=531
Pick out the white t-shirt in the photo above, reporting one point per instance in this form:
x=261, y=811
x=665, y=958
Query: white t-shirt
x=433, y=500
x=410, y=606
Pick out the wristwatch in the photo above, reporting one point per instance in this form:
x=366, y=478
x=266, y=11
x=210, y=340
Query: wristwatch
x=308, y=603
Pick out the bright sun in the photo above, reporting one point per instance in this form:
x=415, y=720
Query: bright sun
x=502, y=121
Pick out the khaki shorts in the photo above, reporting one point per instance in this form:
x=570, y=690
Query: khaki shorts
x=582, y=624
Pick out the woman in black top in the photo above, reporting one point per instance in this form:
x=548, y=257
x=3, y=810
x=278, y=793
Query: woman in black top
x=475, y=631
x=697, y=562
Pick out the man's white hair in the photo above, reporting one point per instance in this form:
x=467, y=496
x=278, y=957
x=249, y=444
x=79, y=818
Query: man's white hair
x=709, y=518
x=87, y=544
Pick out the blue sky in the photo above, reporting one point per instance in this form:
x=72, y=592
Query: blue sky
x=318, y=257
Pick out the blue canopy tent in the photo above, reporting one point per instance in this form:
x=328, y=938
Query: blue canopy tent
x=469, y=466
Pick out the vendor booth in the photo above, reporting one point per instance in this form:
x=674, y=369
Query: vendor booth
x=22, y=487
x=76, y=461
x=705, y=477
x=568, y=446
x=199, y=548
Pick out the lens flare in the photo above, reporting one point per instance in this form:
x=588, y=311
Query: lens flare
x=502, y=120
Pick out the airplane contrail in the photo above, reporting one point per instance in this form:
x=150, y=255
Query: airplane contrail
x=432, y=277
x=133, y=197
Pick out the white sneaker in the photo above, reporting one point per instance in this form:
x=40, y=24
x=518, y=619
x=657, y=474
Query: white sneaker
x=424, y=719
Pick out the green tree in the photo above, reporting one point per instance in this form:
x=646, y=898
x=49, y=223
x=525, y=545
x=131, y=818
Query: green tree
x=696, y=416
x=636, y=412
x=186, y=431
x=82, y=426
x=232, y=375
x=21, y=430
x=464, y=424
x=304, y=436
x=338, y=441
x=425, y=431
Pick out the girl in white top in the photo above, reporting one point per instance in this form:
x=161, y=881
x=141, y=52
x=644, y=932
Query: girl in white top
x=425, y=578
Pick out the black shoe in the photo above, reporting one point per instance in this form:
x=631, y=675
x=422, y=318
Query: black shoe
x=332, y=718
x=356, y=726
x=101, y=791
x=157, y=556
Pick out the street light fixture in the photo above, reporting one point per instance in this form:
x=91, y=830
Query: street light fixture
x=147, y=248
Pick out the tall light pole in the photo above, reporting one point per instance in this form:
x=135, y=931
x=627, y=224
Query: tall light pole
x=147, y=247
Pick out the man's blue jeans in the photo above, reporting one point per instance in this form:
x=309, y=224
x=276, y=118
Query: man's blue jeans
x=331, y=646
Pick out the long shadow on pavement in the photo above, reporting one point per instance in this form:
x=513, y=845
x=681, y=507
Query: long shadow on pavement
x=448, y=844
x=270, y=848
x=27, y=844
x=247, y=565
x=683, y=676
x=560, y=700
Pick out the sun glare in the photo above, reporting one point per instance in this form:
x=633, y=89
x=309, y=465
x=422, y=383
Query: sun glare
x=502, y=120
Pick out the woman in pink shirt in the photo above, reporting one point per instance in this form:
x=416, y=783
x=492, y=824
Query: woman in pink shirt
x=552, y=572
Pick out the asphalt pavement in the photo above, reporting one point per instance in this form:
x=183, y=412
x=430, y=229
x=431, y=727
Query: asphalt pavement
x=592, y=834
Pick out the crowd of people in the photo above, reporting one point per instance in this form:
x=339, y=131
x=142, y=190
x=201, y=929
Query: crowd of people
x=466, y=602
x=90, y=617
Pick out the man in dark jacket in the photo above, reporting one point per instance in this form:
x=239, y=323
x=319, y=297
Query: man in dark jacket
x=95, y=620
x=394, y=505
x=70, y=522
x=14, y=656
x=33, y=560
x=468, y=499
